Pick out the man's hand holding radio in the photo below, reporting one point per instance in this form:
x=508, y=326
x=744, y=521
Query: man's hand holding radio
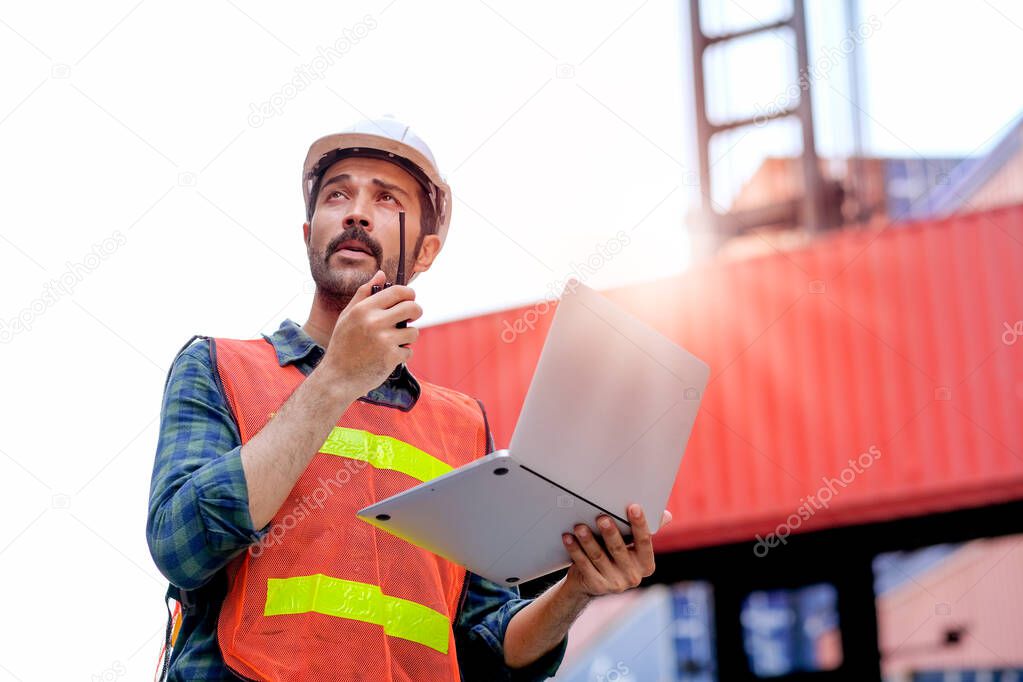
x=364, y=348
x=366, y=345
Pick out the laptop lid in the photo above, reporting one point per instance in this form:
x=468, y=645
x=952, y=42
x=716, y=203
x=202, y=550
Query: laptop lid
x=610, y=406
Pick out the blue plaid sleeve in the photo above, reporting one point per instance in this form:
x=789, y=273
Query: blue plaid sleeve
x=198, y=503
x=479, y=633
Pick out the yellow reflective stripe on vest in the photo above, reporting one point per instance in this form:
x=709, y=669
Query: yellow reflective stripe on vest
x=359, y=601
x=384, y=452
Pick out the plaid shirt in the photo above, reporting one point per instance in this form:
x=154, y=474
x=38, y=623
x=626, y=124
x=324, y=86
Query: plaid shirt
x=199, y=520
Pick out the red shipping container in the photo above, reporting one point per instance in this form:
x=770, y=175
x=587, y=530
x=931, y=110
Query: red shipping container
x=899, y=346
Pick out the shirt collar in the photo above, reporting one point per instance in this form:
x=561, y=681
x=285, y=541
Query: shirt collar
x=292, y=343
x=293, y=346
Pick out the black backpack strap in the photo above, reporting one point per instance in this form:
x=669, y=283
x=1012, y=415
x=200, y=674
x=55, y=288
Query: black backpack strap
x=172, y=593
x=486, y=424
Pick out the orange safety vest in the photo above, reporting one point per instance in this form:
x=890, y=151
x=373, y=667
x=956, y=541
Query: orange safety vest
x=325, y=595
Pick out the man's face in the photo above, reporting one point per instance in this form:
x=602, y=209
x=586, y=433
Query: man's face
x=354, y=228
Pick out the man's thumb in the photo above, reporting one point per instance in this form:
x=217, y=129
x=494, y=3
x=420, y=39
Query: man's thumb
x=366, y=289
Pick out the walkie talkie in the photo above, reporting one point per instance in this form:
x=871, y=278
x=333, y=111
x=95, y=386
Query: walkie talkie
x=376, y=288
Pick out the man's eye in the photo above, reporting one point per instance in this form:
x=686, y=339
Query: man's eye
x=335, y=194
x=388, y=196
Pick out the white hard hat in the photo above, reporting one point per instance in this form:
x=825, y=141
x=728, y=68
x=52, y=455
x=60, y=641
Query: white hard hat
x=384, y=138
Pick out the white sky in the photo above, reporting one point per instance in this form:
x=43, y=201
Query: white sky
x=130, y=121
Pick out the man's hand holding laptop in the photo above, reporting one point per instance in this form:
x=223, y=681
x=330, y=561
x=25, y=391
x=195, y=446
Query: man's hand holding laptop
x=599, y=567
x=610, y=566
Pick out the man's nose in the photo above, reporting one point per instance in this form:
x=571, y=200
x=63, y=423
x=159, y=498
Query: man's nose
x=356, y=218
x=358, y=211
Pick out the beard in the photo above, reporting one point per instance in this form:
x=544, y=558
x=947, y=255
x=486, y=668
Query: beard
x=336, y=283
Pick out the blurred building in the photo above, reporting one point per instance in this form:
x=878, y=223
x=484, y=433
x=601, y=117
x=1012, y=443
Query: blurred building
x=959, y=611
x=871, y=192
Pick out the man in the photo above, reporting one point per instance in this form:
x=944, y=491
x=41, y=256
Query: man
x=268, y=446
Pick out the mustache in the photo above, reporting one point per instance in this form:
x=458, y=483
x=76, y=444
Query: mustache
x=358, y=234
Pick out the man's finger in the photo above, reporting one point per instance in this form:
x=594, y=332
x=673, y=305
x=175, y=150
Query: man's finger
x=405, y=336
x=393, y=295
x=594, y=552
x=641, y=538
x=586, y=568
x=666, y=518
x=402, y=311
x=365, y=291
x=613, y=541
x=626, y=570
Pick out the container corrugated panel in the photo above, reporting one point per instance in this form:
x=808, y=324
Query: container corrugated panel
x=891, y=343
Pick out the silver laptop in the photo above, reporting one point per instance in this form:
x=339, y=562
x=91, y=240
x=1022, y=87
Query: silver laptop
x=604, y=424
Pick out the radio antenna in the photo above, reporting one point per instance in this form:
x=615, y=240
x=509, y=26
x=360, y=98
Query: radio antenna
x=401, y=248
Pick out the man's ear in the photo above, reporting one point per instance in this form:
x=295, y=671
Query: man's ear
x=306, y=230
x=428, y=251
